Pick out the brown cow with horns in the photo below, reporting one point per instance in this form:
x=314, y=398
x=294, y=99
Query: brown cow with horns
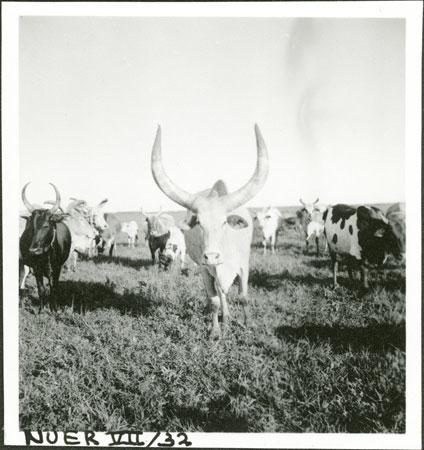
x=44, y=245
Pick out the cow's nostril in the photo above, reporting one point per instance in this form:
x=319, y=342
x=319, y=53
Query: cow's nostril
x=211, y=258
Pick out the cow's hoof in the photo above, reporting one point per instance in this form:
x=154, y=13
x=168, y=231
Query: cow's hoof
x=364, y=290
x=215, y=333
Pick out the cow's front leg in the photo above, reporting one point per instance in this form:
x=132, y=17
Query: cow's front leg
x=273, y=243
x=243, y=286
x=264, y=244
x=209, y=282
x=41, y=290
x=224, y=309
x=317, y=242
x=364, y=276
x=350, y=271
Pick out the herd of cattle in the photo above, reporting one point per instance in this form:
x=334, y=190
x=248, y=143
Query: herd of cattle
x=216, y=234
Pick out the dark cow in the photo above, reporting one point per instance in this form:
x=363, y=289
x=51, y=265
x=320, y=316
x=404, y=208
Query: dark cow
x=163, y=235
x=44, y=246
x=363, y=234
x=396, y=217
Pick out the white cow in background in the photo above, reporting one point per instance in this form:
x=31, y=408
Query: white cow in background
x=269, y=220
x=131, y=228
x=311, y=221
x=315, y=228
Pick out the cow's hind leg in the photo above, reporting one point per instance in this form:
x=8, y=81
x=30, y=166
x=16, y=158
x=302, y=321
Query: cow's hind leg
x=23, y=273
x=334, y=264
x=273, y=243
x=364, y=277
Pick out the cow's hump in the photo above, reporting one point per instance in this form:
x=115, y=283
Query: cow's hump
x=220, y=188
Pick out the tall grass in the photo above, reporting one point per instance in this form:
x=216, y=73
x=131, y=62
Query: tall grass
x=128, y=349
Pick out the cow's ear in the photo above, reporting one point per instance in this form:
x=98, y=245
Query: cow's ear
x=25, y=217
x=236, y=221
x=379, y=233
x=185, y=226
x=59, y=217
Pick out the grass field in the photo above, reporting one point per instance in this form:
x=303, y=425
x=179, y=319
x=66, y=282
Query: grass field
x=128, y=350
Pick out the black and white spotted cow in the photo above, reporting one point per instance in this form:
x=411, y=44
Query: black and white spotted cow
x=362, y=234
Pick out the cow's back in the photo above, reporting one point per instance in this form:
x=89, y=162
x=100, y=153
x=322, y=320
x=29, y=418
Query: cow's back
x=341, y=230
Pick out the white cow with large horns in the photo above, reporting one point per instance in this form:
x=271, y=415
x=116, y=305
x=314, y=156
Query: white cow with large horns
x=218, y=230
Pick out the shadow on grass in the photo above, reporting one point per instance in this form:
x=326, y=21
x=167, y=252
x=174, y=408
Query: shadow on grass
x=263, y=280
x=84, y=296
x=219, y=417
x=320, y=263
x=379, y=337
x=388, y=280
x=122, y=260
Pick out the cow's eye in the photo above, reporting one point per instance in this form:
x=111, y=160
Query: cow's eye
x=267, y=217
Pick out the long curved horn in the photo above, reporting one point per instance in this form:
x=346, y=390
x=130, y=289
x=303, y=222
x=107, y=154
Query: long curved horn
x=253, y=186
x=316, y=201
x=27, y=204
x=301, y=201
x=57, y=203
x=75, y=204
x=165, y=184
x=52, y=202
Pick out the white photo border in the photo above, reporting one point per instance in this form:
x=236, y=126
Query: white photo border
x=411, y=11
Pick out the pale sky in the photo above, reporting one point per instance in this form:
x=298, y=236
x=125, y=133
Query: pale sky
x=328, y=95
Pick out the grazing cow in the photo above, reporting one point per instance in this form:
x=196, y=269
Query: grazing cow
x=131, y=228
x=269, y=220
x=218, y=229
x=110, y=234
x=363, y=234
x=107, y=225
x=396, y=217
x=44, y=245
x=165, y=236
x=174, y=247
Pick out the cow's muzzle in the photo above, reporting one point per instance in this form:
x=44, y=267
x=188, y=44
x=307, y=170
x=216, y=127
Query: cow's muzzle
x=165, y=260
x=212, y=259
x=37, y=251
